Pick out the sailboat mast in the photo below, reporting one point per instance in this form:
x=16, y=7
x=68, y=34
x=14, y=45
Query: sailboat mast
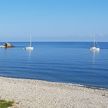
x=94, y=42
x=30, y=40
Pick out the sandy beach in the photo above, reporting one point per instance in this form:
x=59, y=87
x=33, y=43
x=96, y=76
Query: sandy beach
x=41, y=94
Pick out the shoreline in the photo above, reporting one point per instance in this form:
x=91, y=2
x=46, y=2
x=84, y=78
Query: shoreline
x=29, y=93
x=71, y=84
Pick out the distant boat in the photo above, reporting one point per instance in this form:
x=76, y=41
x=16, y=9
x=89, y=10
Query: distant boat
x=29, y=48
x=94, y=48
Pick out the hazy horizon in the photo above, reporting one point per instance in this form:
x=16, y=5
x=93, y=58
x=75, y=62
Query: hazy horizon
x=52, y=41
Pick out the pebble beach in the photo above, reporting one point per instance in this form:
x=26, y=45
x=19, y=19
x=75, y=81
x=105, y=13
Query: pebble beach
x=28, y=93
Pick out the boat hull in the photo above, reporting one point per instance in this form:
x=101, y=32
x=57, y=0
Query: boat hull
x=29, y=48
x=95, y=49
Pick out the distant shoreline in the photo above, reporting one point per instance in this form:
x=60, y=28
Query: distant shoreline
x=56, y=41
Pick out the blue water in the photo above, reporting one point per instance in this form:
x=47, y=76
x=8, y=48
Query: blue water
x=69, y=62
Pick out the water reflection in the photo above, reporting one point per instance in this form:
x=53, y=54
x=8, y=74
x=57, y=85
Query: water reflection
x=94, y=55
x=29, y=52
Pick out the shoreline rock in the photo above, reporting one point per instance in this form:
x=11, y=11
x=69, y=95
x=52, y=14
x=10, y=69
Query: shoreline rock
x=7, y=45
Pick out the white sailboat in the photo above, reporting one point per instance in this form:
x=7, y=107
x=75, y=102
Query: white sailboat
x=94, y=48
x=29, y=48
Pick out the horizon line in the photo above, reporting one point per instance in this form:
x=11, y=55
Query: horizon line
x=50, y=41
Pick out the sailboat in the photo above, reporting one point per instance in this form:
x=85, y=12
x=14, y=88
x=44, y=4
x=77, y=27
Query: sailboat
x=29, y=48
x=94, y=48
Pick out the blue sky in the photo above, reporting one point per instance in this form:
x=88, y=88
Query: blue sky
x=53, y=20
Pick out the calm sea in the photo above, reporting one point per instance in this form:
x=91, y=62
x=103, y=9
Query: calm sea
x=69, y=62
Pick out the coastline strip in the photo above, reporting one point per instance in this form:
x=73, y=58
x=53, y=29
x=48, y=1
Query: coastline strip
x=28, y=93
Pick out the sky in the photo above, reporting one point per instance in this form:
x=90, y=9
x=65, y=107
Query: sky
x=53, y=20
